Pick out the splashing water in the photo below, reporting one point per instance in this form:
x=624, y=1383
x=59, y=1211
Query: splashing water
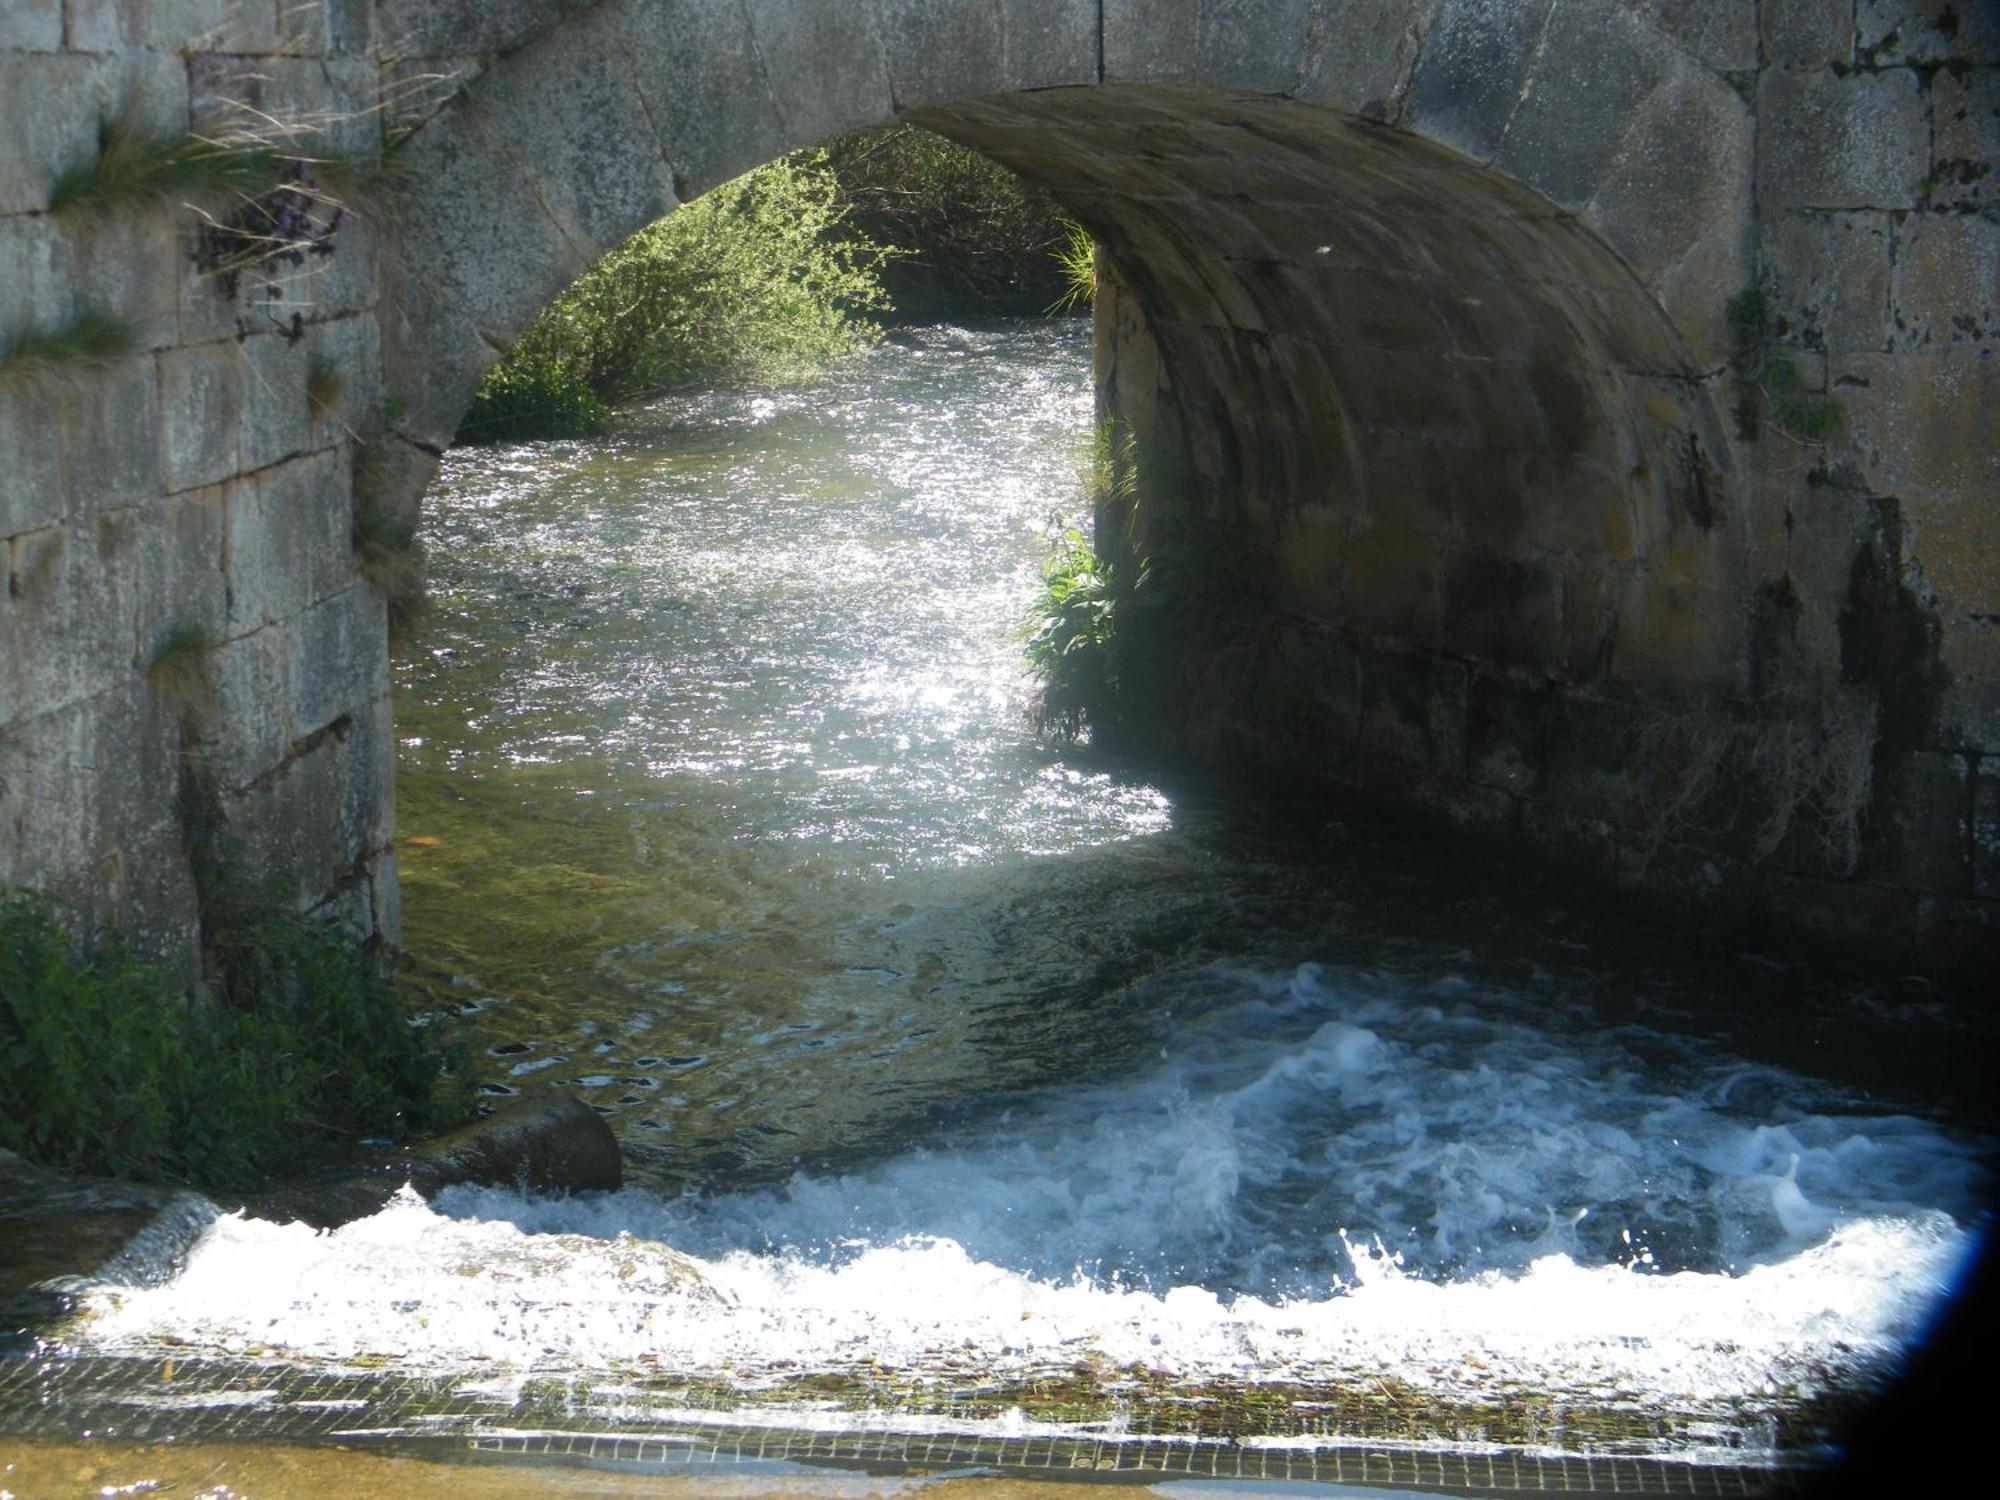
x=972, y=1085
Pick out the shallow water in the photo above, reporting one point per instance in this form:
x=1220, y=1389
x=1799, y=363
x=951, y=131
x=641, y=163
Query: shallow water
x=979, y=1087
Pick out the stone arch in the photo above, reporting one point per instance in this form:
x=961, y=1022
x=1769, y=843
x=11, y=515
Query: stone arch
x=1430, y=295
x=1427, y=299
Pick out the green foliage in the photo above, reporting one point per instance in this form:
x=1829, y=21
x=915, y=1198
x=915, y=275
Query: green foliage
x=746, y=283
x=326, y=387
x=1077, y=258
x=1070, y=643
x=108, y=1066
x=56, y=356
x=134, y=164
x=1771, y=385
x=522, y=400
x=968, y=238
x=1749, y=313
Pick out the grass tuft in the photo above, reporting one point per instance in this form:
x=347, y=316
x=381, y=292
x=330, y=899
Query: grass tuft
x=326, y=387
x=387, y=551
x=1077, y=259
x=182, y=672
x=133, y=164
x=64, y=354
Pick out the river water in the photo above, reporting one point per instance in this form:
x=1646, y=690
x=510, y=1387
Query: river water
x=976, y=1086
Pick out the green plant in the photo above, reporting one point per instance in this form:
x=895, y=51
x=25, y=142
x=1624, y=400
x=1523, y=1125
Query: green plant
x=326, y=387
x=386, y=548
x=1770, y=384
x=748, y=283
x=521, y=401
x=182, y=671
x=969, y=238
x=62, y=354
x=109, y=1066
x=134, y=164
x=1070, y=641
x=1077, y=257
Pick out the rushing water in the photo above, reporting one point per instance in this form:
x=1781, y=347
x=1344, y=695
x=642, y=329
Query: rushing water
x=947, y=1060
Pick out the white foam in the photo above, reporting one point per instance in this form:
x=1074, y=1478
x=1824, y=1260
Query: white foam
x=1318, y=1182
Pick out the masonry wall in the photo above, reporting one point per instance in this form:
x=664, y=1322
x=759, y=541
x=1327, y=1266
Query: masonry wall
x=1522, y=562
x=187, y=487
x=1798, y=737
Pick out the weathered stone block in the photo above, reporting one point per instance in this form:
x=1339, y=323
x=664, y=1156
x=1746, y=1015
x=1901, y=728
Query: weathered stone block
x=1590, y=67
x=277, y=422
x=1150, y=41
x=1965, y=138
x=1259, y=45
x=1678, y=188
x=110, y=451
x=201, y=414
x=33, y=293
x=938, y=53
x=697, y=71
x=128, y=265
x=1470, y=73
x=428, y=28
x=48, y=798
x=179, y=568
x=341, y=657
x=70, y=615
x=169, y=25
x=1944, y=285
x=254, y=726
x=289, y=546
x=1956, y=540
x=52, y=106
x=1829, y=278
x=1360, y=55
x=1722, y=37
x=1925, y=31
x=826, y=67
x=1831, y=142
x=1808, y=33
x=431, y=359
x=351, y=347
x=568, y=121
x=481, y=233
x=31, y=483
x=32, y=26
x=1914, y=421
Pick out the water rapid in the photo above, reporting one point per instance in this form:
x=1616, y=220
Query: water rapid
x=973, y=1083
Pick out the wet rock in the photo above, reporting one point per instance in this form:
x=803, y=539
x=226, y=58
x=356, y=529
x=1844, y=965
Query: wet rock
x=59, y=1233
x=544, y=1146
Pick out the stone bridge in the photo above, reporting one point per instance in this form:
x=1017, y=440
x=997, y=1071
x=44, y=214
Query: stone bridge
x=1593, y=394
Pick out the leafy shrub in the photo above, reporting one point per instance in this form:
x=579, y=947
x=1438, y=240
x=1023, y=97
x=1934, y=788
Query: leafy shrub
x=967, y=237
x=522, y=400
x=109, y=1066
x=748, y=283
x=1070, y=639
